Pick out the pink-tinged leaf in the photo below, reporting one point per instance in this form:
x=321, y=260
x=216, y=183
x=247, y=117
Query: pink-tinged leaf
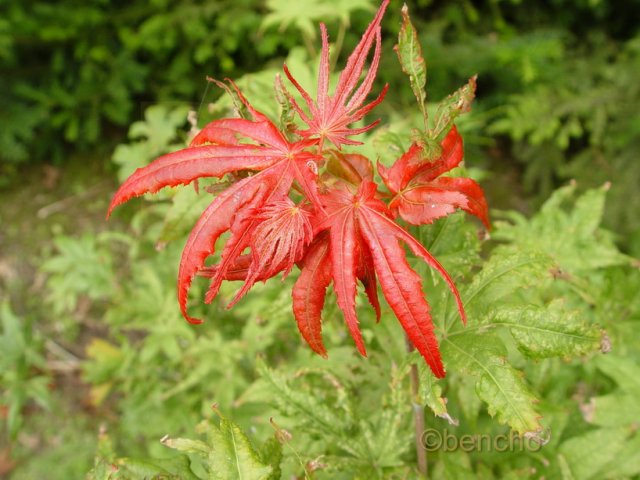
x=214, y=134
x=275, y=184
x=236, y=272
x=451, y=156
x=401, y=287
x=381, y=219
x=396, y=176
x=421, y=195
x=350, y=76
x=413, y=167
x=323, y=74
x=425, y=203
x=215, y=220
x=343, y=259
x=310, y=290
x=304, y=167
x=352, y=167
x=329, y=116
x=186, y=165
x=228, y=131
x=365, y=271
x=277, y=242
x=216, y=152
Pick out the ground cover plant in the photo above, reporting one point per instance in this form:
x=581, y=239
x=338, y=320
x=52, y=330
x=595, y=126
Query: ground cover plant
x=103, y=377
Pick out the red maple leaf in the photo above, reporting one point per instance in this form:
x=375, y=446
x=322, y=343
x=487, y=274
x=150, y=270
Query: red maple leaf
x=363, y=242
x=422, y=195
x=292, y=201
x=225, y=146
x=330, y=115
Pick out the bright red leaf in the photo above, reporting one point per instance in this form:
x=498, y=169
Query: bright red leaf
x=292, y=201
x=362, y=224
x=421, y=195
x=330, y=115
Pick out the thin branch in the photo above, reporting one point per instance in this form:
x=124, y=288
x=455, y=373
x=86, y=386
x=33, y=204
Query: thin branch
x=418, y=417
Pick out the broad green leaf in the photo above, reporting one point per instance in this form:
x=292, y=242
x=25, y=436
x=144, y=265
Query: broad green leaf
x=588, y=455
x=542, y=332
x=304, y=14
x=453, y=240
x=626, y=463
x=625, y=371
x=614, y=410
x=388, y=145
x=233, y=456
x=187, y=445
x=504, y=274
x=229, y=454
x=498, y=384
x=157, y=468
x=411, y=60
x=431, y=395
x=570, y=236
x=389, y=437
x=454, y=466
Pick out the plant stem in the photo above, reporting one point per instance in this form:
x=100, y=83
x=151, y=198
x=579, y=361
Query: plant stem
x=418, y=417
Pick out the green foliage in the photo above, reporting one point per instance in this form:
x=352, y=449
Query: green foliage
x=412, y=61
x=582, y=126
x=540, y=294
x=530, y=296
x=22, y=366
x=227, y=453
x=71, y=72
x=305, y=15
x=567, y=236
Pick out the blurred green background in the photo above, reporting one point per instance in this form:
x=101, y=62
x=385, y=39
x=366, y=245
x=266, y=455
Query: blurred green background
x=91, y=89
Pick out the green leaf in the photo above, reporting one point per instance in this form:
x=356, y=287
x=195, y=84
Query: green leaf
x=626, y=463
x=271, y=454
x=592, y=455
x=503, y=275
x=542, y=332
x=454, y=466
x=411, y=60
x=389, y=438
x=431, y=395
x=332, y=423
x=305, y=14
x=498, y=384
x=229, y=454
x=186, y=445
x=572, y=237
x=614, y=410
x=625, y=371
x=451, y=107
x=176, y=468
x=232, y=455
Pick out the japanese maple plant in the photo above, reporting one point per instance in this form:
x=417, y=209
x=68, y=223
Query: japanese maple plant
x=297, y=198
